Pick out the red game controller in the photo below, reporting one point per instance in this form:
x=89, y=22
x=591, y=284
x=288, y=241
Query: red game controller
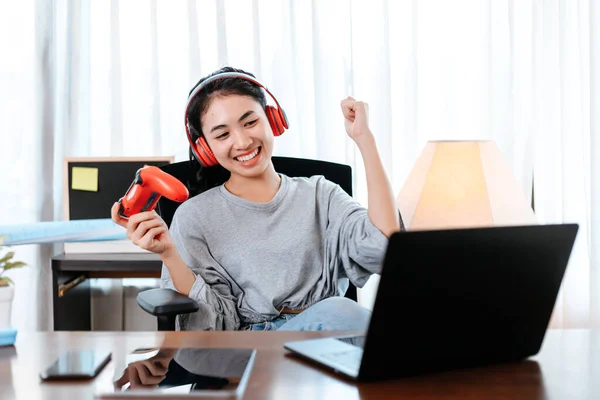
x=149, y=185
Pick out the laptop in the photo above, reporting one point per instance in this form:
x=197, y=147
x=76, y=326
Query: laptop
x=450, y=299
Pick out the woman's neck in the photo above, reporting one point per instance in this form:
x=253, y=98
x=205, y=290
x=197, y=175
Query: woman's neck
x=259, y=189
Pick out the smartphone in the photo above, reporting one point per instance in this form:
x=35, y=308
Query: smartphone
x=77, y=364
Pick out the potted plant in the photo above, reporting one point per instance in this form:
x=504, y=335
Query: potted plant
x=6, y=284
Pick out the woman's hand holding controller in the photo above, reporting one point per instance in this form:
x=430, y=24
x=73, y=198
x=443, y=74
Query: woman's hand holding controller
x=146, y=230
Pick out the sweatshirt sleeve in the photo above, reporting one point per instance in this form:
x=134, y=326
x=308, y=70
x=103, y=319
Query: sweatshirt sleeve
x=211, y=289
x=351, y=237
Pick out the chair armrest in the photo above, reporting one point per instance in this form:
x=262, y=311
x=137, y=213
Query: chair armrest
x=165, y=302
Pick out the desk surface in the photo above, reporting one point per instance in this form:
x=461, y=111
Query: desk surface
x=568, y=367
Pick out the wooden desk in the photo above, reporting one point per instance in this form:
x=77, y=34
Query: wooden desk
x=71, y=288
x=568, y=367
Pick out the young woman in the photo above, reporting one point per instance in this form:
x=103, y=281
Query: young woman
x=263, y=251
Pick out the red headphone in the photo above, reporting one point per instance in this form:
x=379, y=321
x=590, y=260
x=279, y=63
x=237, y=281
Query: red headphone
x=200, y=149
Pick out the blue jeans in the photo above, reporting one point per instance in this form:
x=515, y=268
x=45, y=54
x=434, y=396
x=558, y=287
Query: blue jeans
x=334, y=313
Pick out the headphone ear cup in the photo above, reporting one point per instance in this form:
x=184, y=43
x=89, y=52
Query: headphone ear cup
x=199, y=153
x=283, y=117
x=204, y=153
x=276, y=120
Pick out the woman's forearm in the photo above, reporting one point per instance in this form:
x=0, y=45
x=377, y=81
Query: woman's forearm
x=382, y=209
x=182, y=276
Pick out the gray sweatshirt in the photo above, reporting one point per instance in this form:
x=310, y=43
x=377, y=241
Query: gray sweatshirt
x=251, y=259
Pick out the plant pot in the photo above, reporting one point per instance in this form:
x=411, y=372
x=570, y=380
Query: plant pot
x=6, y=295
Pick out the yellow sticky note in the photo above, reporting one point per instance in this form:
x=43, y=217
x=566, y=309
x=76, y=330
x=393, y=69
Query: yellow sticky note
x=84, y=178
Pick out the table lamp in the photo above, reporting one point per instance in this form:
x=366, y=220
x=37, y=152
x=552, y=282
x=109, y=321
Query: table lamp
x=462, y=184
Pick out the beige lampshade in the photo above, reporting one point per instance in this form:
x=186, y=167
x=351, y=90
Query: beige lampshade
x=461, y=184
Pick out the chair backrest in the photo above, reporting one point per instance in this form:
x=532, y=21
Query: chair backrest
x=293, y=167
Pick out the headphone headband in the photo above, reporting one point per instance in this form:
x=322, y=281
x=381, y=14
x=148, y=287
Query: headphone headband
x=223, y=75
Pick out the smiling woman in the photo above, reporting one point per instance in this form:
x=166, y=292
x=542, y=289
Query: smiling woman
x=261, y=250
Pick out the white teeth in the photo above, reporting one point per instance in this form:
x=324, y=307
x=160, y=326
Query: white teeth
x=248, y=157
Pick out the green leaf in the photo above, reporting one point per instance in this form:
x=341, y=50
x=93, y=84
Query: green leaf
x=16, y=264
x=5, y=281
x=7, y=257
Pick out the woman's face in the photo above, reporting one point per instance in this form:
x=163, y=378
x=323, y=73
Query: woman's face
x=238, y=133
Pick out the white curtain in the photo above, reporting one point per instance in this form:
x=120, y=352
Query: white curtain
x=110, y=78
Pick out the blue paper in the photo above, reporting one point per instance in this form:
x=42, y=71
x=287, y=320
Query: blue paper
x=8, y=337
x=85, y=230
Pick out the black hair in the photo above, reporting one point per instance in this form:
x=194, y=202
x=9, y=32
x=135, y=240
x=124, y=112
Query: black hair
x=209, y=177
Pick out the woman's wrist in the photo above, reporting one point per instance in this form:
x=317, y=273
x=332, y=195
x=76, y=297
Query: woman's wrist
x=365, y=141
x=169, y=255
x=183, y=277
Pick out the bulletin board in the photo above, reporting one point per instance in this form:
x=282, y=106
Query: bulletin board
x=92, y=185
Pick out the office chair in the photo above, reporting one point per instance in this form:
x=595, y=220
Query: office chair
x=166, y=304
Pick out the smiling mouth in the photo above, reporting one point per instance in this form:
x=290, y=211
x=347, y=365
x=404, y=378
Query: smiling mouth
x=250, y=156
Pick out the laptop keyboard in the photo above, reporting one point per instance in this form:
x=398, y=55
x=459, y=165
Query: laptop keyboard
x=358, y=341
x=350, y=358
